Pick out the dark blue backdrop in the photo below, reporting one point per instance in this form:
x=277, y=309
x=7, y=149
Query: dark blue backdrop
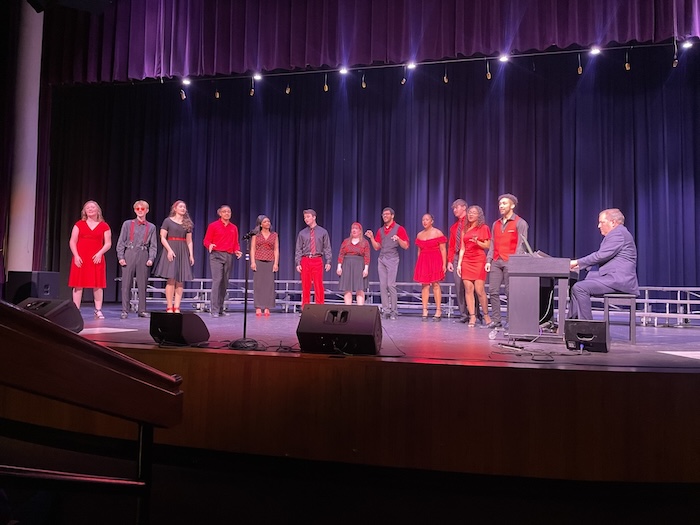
x=567, y=145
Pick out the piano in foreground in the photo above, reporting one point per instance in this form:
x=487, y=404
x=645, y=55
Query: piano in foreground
x=527, y=275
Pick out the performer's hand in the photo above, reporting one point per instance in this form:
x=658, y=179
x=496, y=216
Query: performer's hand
x=238, y=254
x=97, y=258
x=191, y=260
x=299, y=268
x=78, y=261
x=275, y=267
x=339, y=271
x=450, y=267
x=365, y=273
x=487, y=267
x=122, y=262
x=369, y=234
x=149, y=263
x=171, y=255
x=328, y=267
x=211, y=247
x=573, y=264
x=459, y=271
x=253, y=266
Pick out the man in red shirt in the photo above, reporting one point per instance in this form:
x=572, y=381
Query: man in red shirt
x=509, y=237
x=221, y=240
x=459, y=208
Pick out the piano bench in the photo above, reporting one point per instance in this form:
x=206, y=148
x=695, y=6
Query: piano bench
x=622, y=299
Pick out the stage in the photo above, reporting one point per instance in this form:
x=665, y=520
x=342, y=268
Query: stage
x=446, y=342
x=439, y=396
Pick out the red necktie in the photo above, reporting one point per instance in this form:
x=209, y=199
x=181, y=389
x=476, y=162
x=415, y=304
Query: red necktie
x=458, y=237
x=312, y=244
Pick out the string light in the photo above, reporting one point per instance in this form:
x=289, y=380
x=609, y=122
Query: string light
x=675, y=53
x=683, y=44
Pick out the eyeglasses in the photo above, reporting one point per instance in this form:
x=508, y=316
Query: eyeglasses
x=140, y=209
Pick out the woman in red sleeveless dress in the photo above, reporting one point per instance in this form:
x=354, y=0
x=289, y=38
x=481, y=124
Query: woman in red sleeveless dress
x=476, y=238
x=431, y=264
x=89, y=241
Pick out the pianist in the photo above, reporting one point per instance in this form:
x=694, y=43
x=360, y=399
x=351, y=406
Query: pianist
x=617, y=261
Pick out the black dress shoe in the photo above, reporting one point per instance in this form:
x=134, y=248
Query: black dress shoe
x=144, y=314
x=463, y=320
x=494, y=324
x=123, y=315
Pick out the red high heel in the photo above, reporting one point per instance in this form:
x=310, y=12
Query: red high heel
x=258, y=312
x=169, y=310
x=267, y=312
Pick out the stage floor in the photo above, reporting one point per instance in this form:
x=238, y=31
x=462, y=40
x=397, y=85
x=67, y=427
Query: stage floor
x=666, y=349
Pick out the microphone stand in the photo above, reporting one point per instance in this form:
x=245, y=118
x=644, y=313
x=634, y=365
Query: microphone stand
x=244, y=343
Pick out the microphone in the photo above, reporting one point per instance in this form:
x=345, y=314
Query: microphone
x=527, y=244
x=252, y=232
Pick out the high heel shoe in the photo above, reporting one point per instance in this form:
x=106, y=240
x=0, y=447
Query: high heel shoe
x=267, y=312
x=424, y=319
x=258, y=312
x=99, y=314
x=472, y=321
x=438, y=316
x=176, y=310
x=169, y=310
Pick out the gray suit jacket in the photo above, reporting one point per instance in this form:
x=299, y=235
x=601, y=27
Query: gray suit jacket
x=617, y=259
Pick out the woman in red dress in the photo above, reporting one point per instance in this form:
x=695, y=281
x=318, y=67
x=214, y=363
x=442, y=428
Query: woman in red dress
x=89, y=240
x=431, y=264
x=476, y=238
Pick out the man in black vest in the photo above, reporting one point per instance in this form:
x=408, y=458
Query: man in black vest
x=388, y=239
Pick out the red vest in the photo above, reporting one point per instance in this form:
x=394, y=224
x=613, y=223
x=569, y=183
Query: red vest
x=505, y=243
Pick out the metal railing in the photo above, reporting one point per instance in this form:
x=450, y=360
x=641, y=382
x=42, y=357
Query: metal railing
x=656, y=305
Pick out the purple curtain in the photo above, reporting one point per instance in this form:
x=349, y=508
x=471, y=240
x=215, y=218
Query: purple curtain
x=567, y=145
x=139, y=39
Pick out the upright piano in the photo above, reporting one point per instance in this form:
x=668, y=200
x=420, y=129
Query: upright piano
x=525, y=275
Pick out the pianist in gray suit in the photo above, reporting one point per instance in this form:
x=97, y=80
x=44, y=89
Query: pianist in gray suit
x=617, y=262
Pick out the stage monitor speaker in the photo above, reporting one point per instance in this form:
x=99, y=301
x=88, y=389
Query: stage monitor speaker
x=178, y=329
x=21, y=285
x=340, y=329
x=593, y=336
x=61, y=312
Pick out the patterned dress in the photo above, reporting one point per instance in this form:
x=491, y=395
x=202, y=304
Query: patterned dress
x=429, y=267
x=264, y=277
x=90, y=241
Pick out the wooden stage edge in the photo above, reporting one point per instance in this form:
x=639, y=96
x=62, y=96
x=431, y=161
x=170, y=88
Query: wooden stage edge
x=468, y=417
